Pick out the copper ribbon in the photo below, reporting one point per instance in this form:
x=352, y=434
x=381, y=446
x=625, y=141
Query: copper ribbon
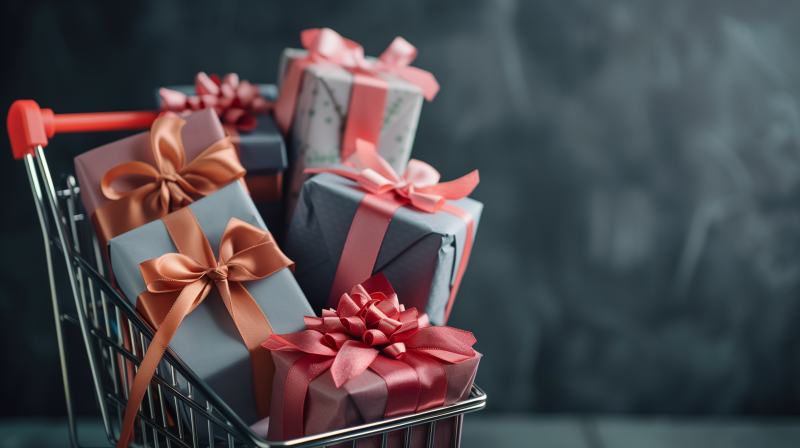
x=175, y=183
x=184, y=279
x=235, y=102
x=370, y=329
x=387, y=191
x=368, y=93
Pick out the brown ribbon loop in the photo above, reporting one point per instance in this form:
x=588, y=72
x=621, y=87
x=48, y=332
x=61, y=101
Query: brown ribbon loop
x=175, y=184
x=184, y=279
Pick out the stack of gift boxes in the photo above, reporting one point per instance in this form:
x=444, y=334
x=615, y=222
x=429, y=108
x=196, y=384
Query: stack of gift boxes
x=307, y=283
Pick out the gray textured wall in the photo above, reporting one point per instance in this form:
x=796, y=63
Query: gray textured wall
x=640, y=164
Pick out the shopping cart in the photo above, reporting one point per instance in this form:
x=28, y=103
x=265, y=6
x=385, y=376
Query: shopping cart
x=179, y=410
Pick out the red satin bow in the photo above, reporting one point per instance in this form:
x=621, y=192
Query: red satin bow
x=236, y=102
x=371, y=329
x=419, y=185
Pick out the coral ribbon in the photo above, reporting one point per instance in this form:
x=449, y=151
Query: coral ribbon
x=184, y=279
x=370, y=329
x=368, y=93
x=236, y=102
x=419, y=187
x=175, y=184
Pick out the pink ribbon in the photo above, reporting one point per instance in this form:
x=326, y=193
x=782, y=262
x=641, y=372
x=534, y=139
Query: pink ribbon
x=386, y=191
x=368, y=94
x=370, y=329
x=236, y=102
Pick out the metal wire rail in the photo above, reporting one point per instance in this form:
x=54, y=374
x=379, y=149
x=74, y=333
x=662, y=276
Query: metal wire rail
x=179, y=409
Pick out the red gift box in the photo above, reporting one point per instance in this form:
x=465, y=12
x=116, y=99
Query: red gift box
x=370, y=359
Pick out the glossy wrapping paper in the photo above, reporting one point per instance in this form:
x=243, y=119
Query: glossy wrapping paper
x=207, y=340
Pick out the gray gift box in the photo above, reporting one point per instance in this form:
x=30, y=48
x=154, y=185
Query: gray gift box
x=419, y=254
x=208, y=341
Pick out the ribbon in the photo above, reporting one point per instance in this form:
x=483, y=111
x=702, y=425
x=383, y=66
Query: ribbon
x=184, y=279
x=174, y=184
x=386, y=191
x=368, y=94
x=236, y=102
x=370, y=329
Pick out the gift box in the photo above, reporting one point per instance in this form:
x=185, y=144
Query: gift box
x=368, y=360
x=209, y=340
x=330, y=94
x=342, y=233
x=140, y=178
x=254, y=134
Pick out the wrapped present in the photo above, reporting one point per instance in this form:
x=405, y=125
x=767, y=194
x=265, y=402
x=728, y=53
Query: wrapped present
x=136, y=180
x=368, y=360
x=331, y=95
x=243, y=109
x=213, y=282
x=352, y=222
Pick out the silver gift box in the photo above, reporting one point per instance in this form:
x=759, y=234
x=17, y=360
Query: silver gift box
x=419, y=255
x=208, y=341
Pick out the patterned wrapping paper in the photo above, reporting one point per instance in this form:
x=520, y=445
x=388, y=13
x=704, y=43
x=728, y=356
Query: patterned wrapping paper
x=208, y=341
x=320, y=116
x=421, y=246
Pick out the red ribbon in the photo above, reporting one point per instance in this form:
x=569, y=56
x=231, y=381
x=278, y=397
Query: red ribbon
x=419, y=187
x=370, y=329
x=368, y=94
x=236, y=102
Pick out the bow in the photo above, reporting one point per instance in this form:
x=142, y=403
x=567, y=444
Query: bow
x=419, y=185
x=236, y=102
x=174, y=184
x=368, y=95
x=371, y=329
x=185, y=279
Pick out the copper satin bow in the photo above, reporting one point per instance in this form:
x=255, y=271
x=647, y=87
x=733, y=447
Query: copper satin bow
x=371, y=329
x=175, y=184
x=368, y=94
x=419, y=185
x=184, y=279
x=236, y=102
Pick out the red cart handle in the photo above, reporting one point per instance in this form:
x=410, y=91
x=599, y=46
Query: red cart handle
x=30, y=126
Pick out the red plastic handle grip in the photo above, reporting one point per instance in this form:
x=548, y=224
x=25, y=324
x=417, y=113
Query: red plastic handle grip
x=29, y=126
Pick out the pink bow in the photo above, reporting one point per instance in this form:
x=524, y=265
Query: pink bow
x=326, y=45
x=236, y=102
x=419, y=185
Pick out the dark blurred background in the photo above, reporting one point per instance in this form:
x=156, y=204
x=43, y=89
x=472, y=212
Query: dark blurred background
x=639, y=161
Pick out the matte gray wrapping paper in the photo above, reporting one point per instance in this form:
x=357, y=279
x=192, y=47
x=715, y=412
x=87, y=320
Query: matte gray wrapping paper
x=208, y=341
x=419, y=254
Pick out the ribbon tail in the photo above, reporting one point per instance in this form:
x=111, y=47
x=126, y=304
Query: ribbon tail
x=153, y=356
x=301, y=374
x=254, y=328
x=462, y=266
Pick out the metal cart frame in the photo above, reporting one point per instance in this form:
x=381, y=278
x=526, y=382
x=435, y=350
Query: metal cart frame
x=179, y=409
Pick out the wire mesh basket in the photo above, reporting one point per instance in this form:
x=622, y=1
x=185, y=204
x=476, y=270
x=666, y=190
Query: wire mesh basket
x=179, y=409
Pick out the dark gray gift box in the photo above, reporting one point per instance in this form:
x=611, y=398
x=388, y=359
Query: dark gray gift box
x=208, y=341
x=419, y=255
